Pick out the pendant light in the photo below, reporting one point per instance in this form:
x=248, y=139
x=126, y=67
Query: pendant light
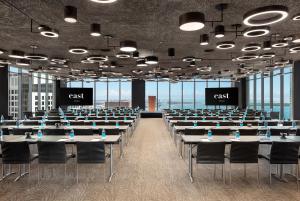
x=95, y=29
x=128, y=46
x=16, y=54
x=219, y=31
x=70, y=14
x=267, y=45
x=204, y=39
x=171, y=52
x=191, y=21
x=151, y=60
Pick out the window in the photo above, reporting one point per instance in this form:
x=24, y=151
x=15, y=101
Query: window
x=267, y=94
x=163, y=95
x=176, y=95
x=276, y=91
x=200, y=94
x=287, y=93
x=188, y=95
x=258, y=92
x=101, y=93
x=251, y=91
x=113, y=93
x=150, y=90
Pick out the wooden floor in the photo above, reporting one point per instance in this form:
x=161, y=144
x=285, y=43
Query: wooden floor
x=150, y=171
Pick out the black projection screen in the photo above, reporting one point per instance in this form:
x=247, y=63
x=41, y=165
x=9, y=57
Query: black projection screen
x=75, y=96
x=222, y=96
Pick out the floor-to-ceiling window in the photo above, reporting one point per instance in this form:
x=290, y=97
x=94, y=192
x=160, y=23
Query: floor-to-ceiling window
x=276, y=91
x=114, y=93
x=287, y=93
x=150, y=90
x=188, y=94
x=251, y=91
x=258, y=91
x=125, y=92
x=163, y=95
x=101, y=93
x=176, y=95
x=267, y=93
x=200, y=93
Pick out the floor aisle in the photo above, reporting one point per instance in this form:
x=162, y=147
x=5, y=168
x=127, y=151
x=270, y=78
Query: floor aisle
x=150, y=171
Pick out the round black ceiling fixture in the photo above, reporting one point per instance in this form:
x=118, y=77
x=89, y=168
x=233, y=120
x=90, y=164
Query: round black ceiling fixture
x=48, y=32
x=247, y=57
x=38, y=57
x=267, y=45
x=135, y=55
x=171, y=52
x=95, y=29
x=97, y=58
x=280, y=43
x=151, y=60
x=188, y=59
x=23, y=62
x=16, y=54
x=225, y=45
x=265, y=15
x=128, y=46
x=141, y=63
x=123, y=55
x=204, y=39
x=103, y=1
x=251, y=48
x=78, y=50
x=219, y=31
x=256, y=31
x=191, y=21
x=70, y=14
x=268, y=55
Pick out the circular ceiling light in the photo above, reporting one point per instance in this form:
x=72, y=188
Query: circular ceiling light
x=282, y=62
x=225, y=45
x=123, y=55
x=204, y=69
x=247, y=57
x=280, y=43
x=295, y=48
x=296, y=17
x=78, y=50
x=85, y=61
x=267, y=45
x=256, y=31
x=151, y=60
x=103, y=1
x=268, y=55
x=58, y=60
x=204, y=39
x=265, y=15
x=219, y=31
x=188, y=59
x=70, y=14
x=4, y=61
x=48, y=32
x=296, y=39
x=97, y=58
x=38, y=57
x=95, y=29
x=2, y=51
x=251, y=48
x=191, y=21
x=141, y=63
x=23, y=62
x=288, y=38
x=128, y=46
x=16, y=54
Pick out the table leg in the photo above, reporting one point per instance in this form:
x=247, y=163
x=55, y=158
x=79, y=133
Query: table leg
x=190, y=163
x=111, y=163
x=121, y=146
x=281, y=176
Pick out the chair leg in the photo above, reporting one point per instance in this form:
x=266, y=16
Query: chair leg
x=258, y=179
x=229, y=173
x=38, y=172
x=65, y=173
x=224, y=173
x=297, y=177
x=215, y=166
x=77, y=173
x=270, y=174
x=245, y=170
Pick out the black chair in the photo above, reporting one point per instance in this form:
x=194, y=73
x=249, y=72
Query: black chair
x=52, y=153
x=54, y=118
x=251, y=131
x=16, y=153
x=83, y=132
x=221, y=131
x=52, y=123
x=21, y=131
x=227, y=123
x=189, y=131
x=182, y=123
x=79, y=123
x=54, y=132
x=212, y=153
x=112, y=131
x=89, y=153
x=244, y=152
x=277, y=132
x=283, y=153
x=31, y=123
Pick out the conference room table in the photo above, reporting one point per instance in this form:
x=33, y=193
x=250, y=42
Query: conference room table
x=109, y=140
x=192, y=140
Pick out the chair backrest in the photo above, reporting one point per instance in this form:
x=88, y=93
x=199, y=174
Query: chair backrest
x=276, y=132
x=221, y=131
x=54, y=118
x=53, y=122
x=251, y=131
x=227, y=123
x=195, y=131
x=90, y=152
x=15, y=152
x=211, y=152
x=244, y=152
x=182, y=123
x=54, y=131
x=31, y=123
x=83, y=132
x=284, y=153
x=52, y=152
x=21, y=131
x=80, y=123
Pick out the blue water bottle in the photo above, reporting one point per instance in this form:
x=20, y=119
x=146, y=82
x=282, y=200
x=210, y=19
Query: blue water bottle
x=68, y=124
x=18, y=123
x=293, y=124
x=117, y=124
x=94, y=124
x=218, y=124
x=265, y=124
x=72, y=134
x=2, y=119
x=185, y=118
x=103, y=134
x=125, y=118
x=209, y=134
x=241, y=124
x=40, y=134
x=195, y=124
x=268, y=133
x=237, y=135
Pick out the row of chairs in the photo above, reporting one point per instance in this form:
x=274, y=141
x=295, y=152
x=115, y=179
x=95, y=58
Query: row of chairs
x=208, y=123
x=49, y=153
x=77, y=123
x=247, y=153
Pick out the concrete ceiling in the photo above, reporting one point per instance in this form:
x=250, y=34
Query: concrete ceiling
x=153, y=24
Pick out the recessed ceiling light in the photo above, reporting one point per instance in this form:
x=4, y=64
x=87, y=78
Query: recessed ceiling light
x=191, y=21
x=97, y=58
x=78, y=50
x=280, y=43
x=123, y=55
x=247, y=57
x=288, y=38
x=39, y=57
x=204, y=39
x=128, y=46
x=16, y=54
x=268, y=55
x=251, y=48
x=70, y=14
x=85, y=61
x=225, y=45
x=204, y=69
x=296, y=17
x=23, y=62
x=267, y=45
x=256, y=31
x=141, y=63
x=219, y=31
x=295, y=48
x=95, y=29
x=188, y=59
x=103, y=1
x=151, y=60
x=48, y=32
x=265, y=15
x=58, y=60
